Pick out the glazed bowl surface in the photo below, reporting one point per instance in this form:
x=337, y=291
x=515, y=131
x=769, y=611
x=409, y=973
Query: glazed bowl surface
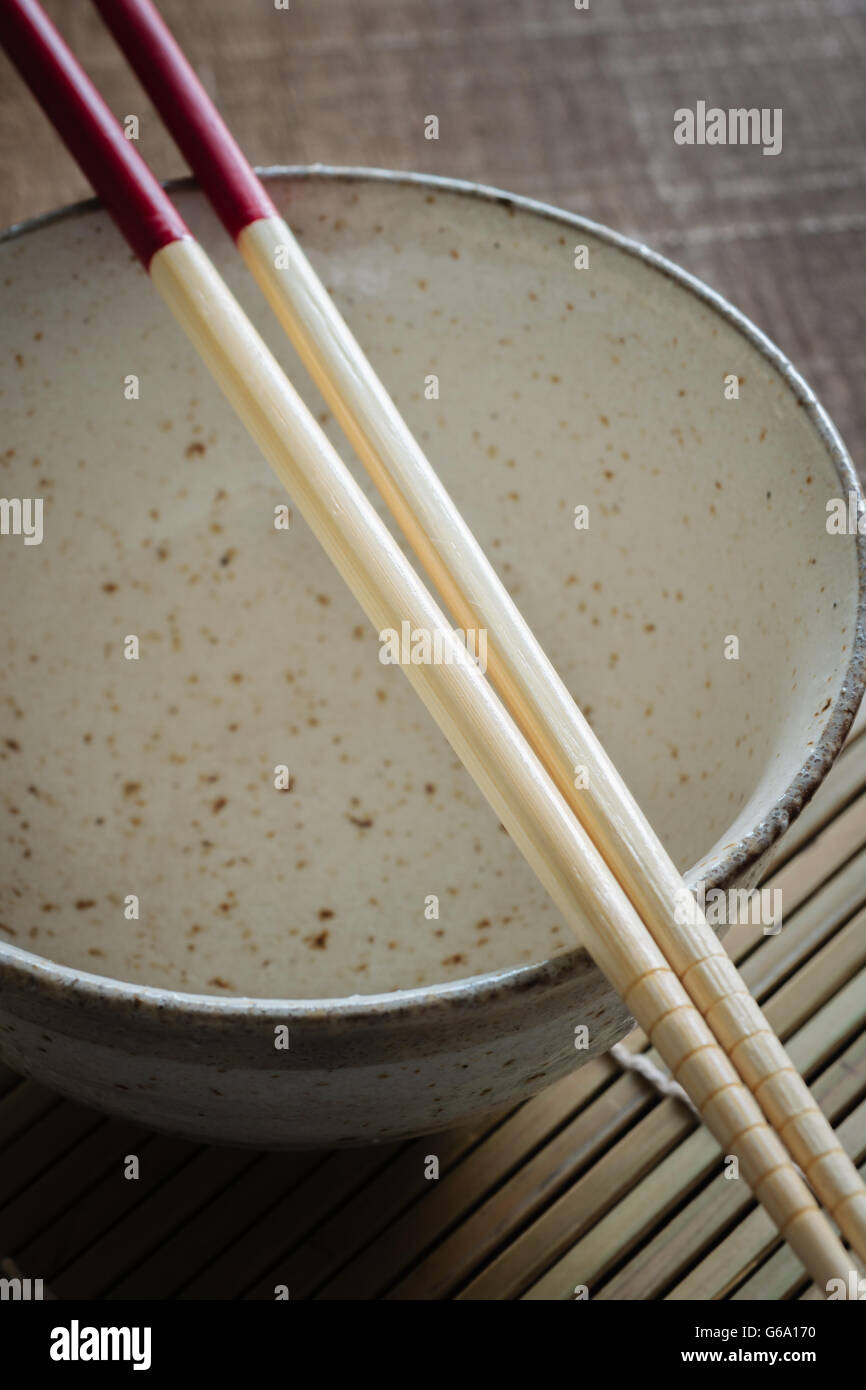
x=362, y=954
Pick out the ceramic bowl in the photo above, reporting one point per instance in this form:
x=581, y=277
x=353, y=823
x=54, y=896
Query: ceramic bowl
x=361, y=954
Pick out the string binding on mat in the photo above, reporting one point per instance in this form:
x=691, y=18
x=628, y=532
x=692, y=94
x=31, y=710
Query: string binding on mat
x=661, y=1081
x=664, y=1083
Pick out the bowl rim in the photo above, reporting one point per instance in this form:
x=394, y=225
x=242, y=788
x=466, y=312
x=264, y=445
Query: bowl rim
x=740, y=855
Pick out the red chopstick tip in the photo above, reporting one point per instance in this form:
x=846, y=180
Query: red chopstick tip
x=136, y=201
x=204, y=139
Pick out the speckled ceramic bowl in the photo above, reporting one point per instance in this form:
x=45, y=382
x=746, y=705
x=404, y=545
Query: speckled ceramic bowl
x=364, y=955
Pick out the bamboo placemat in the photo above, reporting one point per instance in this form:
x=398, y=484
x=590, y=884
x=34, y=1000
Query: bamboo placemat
x=598, y=1181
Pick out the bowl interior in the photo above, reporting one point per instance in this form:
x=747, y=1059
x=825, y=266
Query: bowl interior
x=536, y=388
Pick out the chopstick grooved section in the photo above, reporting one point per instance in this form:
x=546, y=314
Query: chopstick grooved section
x=725, y=1086
x=749, y=1129
x=804, y=1211
x=655, y=970
x=693, y=965
x=704, y=1047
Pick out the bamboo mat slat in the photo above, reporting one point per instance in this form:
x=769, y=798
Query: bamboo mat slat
x=363, y=1218
x=203, y=1236
x=583, y=1206
x=832, y=846
x=88, y=1215
x=822, y=975
x=22, y=1106
x=91, y=1273
x=535, y=1182
x=256, y=1196
x=38, y=1147
x=456, y=1193
x=824, y=913
x=44, y=1199
x=289, y=1223
x=8, y=1079
x=844, y=784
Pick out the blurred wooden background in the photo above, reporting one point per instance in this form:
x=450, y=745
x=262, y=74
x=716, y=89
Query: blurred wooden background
x=570, y=106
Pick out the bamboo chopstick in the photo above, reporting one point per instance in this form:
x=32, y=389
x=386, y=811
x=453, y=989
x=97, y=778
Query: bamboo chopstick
x=457, y=695
x=525, y=679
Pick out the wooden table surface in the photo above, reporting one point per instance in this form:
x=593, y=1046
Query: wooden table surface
x=573, y=107
x=596, y=1179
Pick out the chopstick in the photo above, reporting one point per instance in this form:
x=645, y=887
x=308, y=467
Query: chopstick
x=528, y=684
x=470, y=715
